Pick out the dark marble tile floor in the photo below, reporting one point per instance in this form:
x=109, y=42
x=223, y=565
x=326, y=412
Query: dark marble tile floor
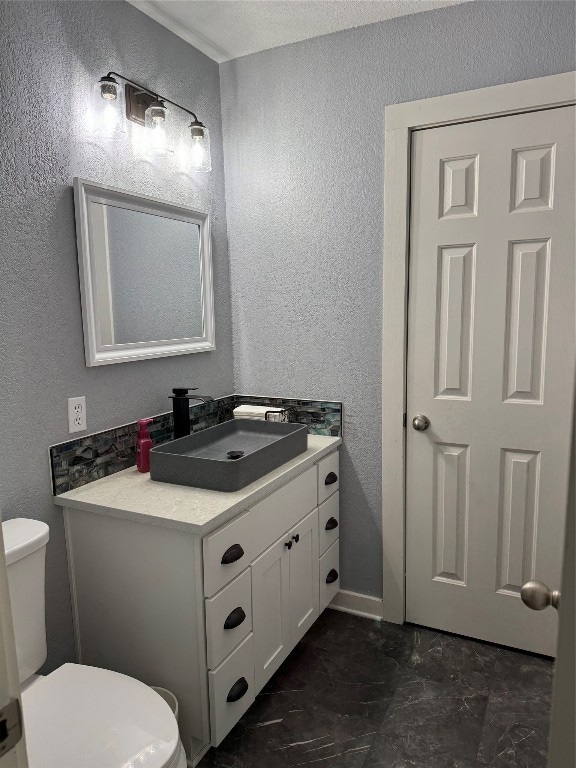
x=357, y=693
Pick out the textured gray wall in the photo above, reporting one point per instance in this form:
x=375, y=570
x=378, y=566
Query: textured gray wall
x=51, y=54
x=303, y=140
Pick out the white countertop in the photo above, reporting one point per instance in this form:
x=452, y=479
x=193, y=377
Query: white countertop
x=134, y=496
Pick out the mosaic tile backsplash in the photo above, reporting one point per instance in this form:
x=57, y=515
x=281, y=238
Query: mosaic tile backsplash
x=88, y=458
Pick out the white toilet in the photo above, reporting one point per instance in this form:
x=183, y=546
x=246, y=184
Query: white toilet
x=78, y=716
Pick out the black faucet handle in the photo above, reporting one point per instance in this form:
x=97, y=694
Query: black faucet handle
x=182, y=391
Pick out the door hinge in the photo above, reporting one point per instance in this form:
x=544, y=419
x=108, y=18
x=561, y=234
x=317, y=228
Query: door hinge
x=404, y=420
x=10, y=726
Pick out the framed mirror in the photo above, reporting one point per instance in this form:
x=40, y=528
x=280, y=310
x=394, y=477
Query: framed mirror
x=145, y=276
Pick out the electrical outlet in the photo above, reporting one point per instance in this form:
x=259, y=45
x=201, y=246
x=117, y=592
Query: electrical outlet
x=76, y=414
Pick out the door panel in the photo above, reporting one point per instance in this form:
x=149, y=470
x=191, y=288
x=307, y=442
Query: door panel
x=304, y=585
x=526, y=316
x=532, y=178
x=451, y=513
x=491, y=363
x=456, y=268
x=518, y=507
x=271, y=610
x=459, y=187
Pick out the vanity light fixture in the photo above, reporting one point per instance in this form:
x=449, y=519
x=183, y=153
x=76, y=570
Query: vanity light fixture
x=149, y=109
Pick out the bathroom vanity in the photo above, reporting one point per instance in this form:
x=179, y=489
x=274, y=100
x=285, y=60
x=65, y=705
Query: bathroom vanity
x=203, y=592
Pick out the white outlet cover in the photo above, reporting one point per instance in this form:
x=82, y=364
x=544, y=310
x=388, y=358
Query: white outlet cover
x=76, y=414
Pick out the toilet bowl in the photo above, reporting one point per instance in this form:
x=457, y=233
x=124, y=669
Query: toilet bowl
x=78, y=716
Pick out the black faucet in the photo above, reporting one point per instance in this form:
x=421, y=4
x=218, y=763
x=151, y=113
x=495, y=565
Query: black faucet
x=181, y=409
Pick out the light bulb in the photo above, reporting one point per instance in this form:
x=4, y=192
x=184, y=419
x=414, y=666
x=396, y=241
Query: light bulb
x=200, y=159
x=197, y=153
x=109, y=118
x=157, y=138
x=155, y=120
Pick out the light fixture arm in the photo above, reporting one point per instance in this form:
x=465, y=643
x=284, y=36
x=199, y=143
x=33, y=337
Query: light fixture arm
x=153, y=93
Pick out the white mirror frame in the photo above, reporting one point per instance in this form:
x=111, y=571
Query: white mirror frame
x=97, y=353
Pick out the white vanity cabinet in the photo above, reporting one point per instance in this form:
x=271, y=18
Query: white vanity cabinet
x=209, y=612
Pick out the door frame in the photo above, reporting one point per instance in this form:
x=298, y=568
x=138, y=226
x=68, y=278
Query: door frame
x=400, y=121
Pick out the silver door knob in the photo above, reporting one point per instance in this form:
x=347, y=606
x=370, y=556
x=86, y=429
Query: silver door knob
x=537, y=596
x=420, y=422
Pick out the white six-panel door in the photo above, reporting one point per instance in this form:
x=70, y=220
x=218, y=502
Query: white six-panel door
x=490, y=363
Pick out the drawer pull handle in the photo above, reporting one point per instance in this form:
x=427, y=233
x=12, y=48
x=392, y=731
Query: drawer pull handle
x=237, y=691
x=332, y=576
x=331, y=478
x=331, y=524
x=232, y=554
x=296, y=538
x=234, y=618
x=288, y=544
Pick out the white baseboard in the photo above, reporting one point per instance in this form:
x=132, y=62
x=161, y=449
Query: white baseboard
x=360, y=605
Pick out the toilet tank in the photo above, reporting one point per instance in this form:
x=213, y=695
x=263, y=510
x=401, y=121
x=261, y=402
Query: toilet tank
x=25, y=548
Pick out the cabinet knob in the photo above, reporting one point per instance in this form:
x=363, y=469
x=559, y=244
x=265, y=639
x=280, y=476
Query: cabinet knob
x=232, y=554
x=331, y=524
x=234, y=618
x=332, y=576
x=331, y=478
x=296, y=538
x=237, y=691
x=288, y=544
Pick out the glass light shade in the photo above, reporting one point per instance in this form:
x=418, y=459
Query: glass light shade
x=108, y=107
x=155, y=120
x=109, y=88
x=200, y=159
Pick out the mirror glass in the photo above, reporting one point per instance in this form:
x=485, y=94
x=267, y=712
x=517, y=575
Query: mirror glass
x=146, y=276
x=154, y=262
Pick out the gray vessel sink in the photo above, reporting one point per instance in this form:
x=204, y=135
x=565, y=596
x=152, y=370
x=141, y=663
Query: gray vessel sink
x=229, y=456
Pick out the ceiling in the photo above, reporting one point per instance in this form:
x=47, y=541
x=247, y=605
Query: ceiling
x=226, y=29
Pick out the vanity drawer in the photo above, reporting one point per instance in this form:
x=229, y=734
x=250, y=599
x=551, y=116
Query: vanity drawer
x=231, y=687
x=329, y=575
x=227, y=552
x=329, y=522
x=328, y=479
x=280, y=511
x=228, y=618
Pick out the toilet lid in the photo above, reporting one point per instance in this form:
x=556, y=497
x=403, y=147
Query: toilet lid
x=86, y=717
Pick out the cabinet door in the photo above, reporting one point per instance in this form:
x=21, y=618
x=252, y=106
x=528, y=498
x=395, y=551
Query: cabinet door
x=271, y=609
x=304, y=586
